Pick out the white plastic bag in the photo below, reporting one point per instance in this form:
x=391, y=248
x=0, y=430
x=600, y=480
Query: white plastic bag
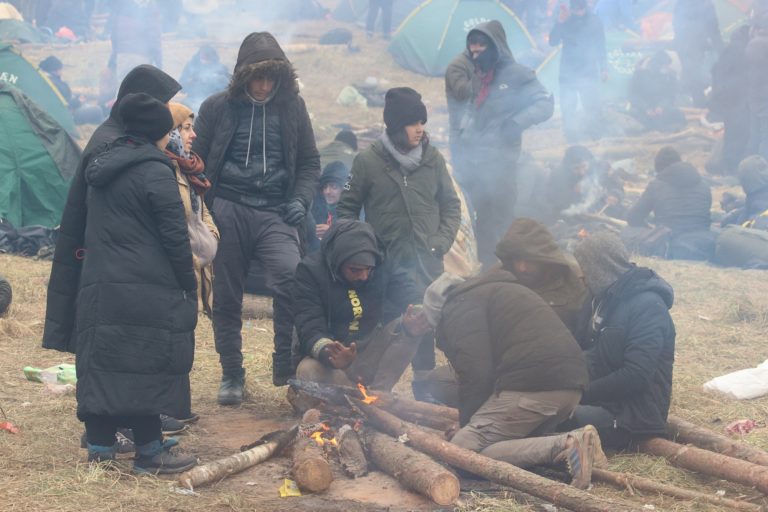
x=741, y=385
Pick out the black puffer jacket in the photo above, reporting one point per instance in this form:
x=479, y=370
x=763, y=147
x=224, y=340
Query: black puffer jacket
x=583, y=54
x=631, y=352
x=220, y=115
x=323, y=302
x=679, y=199
x=68, y=258
x=137, y=306
x=501, y=336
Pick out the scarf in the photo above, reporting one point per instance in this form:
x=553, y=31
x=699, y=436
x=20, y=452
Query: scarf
x=408, y=161
x=485, y=88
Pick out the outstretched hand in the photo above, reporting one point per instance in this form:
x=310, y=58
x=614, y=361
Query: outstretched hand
x=340, y=356
x=415, y=321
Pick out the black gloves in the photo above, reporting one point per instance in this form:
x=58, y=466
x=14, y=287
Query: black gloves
x=294, y=212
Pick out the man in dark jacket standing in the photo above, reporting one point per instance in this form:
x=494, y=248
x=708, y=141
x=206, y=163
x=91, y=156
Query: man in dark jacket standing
x=520, y=372
x=630, y=345
x=680, y=201
x=583, y=63
x=697, y=41
x=64, y=282
x=259, y=150
x=351, y=315
x=506, y=98
x=757, y=63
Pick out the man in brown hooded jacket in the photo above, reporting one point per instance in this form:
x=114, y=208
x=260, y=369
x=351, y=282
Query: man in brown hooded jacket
x=259, y=150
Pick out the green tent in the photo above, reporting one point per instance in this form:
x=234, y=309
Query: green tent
x=436, y=32
x=37, y=160
x=17, y=71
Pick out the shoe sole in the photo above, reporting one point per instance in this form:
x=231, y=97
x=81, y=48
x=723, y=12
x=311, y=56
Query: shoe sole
x=177, y=431
x=163, y=470
x=583, y=478
x=599, y=459
x=192, y=419
x=229, y=401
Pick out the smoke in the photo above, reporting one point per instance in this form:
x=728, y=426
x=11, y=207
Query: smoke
x=592, y=192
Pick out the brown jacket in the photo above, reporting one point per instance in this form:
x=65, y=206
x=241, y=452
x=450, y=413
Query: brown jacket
x=500, y=336
x=204, y=274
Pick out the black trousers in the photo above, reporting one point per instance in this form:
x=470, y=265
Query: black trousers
x=101, y=430
x=612, y=436
x=386, y=16
x=249, y=234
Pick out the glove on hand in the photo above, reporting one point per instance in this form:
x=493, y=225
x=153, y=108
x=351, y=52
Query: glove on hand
x=294, y=212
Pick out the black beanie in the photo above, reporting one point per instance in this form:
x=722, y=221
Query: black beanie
x=403, y=107
x=145, y=116
x=51, y=64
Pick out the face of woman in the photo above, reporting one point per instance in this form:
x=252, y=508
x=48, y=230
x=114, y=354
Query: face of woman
x=415, y=133
x=188, y=135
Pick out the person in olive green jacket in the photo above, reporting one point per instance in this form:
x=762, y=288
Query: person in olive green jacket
x=403, y=183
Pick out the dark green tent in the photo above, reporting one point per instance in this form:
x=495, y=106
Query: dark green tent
x=436, y=32
x=17, y=71
x=37, y=160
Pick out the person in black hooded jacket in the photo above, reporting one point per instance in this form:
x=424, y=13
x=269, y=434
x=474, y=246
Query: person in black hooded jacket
x=681, y=201
x=259, y=151
x=353, y=312
x=629, y=345
x=137, y=304
x=63, y=284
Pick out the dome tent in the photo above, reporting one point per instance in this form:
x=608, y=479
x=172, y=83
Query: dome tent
x=436, y=32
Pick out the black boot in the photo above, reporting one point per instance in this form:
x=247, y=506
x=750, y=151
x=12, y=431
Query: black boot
x=156, y=458
x=282, y=370
x=232, y=387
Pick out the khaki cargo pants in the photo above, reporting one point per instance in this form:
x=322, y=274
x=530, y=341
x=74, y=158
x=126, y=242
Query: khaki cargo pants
x=379, y=365
x=506, y=426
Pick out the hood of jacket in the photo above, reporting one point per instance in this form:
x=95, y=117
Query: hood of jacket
x=125, y=153
x=636, y=281
x=147, y=79
x=495, y=32
x=260, y=55
x=680, y=175
x=345, y=239
x=493, y=276
x=530, y=240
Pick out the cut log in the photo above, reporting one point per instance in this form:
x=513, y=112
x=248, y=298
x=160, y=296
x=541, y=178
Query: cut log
x=222, y=468
x=310, y=469
x=630, y=482
x=687, y=433
x=413, y=469
x=351, y=453
x=557, y=493
x=709, y=463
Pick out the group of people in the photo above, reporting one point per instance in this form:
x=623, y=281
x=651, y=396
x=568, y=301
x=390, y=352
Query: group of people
x=164, y=199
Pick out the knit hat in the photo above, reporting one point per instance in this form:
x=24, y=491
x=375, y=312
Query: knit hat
x=403, y=107
x=335, y=172
x=145, y=116
x=666, y=157
x=603, y=259
x=363, y=258
x=529, y=240
x=51, y=64
x=436, y=295
x=753, y=173
x=180, y=113
x=347, y=137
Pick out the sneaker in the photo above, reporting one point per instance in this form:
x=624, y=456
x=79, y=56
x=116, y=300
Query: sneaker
x=123, y=438
x=231, y=388
x=579, y=455
x=99, y=454
x=157, y=459
x=421, y=392
x=171, y=426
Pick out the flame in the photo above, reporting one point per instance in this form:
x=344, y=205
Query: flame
x=320, y=440
x=367, y=399
x=583, y=233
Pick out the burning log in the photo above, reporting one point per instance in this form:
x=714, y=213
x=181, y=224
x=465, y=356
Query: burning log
x=556, y=493
x=311, y=469
x=413, y=469
x=631, y=482
x=687, y=433
x=351, y=453
x=709, y=463
x=264, y=449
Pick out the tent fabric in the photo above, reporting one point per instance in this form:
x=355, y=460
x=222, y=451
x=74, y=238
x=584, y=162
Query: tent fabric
x=20, y=31
x=9, y=12
x=436, y=32
x=37, y=161
x=16, y=71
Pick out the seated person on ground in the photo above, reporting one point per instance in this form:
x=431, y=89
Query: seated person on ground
x=653, y=93
x=343, y=148
x=332, y=182
x=519, y=370
x=349, y=328
x=753, y=210
x=680, y=201
x=203, y=76
x=629, y=346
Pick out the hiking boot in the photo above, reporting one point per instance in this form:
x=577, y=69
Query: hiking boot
x=232, y=387
x=171, y=426
x=99, y=454
x=156, y=458
x=421, y=392
x=281, y=372
x=600, y=460
x=579, y=456
x=123, y=437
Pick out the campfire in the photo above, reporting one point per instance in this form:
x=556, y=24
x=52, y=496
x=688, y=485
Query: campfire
x=367, y=399
x=324, y=435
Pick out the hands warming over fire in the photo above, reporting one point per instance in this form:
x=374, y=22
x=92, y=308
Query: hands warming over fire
x=415, y=321
x=340, y=356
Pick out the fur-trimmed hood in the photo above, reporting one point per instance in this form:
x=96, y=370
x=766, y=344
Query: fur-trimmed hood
x=261, y=55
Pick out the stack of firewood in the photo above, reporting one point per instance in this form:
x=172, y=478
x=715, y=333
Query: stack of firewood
x=407, y=440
